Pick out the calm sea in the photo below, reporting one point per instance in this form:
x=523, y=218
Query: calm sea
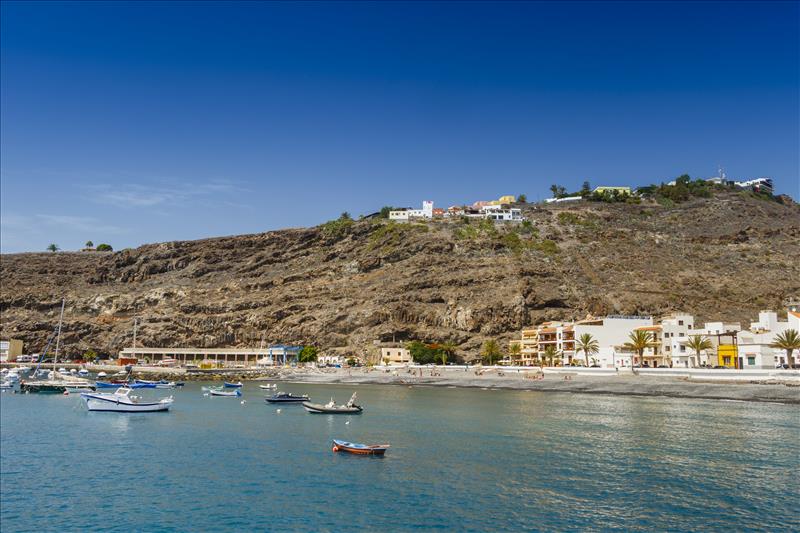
x=460, y=460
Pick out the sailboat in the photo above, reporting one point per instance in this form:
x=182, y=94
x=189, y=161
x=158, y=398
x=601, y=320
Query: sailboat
x=56, y=382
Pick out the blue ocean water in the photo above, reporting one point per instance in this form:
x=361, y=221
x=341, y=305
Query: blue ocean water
x=463, y=459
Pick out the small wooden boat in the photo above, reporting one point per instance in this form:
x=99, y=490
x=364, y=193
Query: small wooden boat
x=233, y=385
x=285, y=397
x=359, y=449
x=220, y=392
x=267, y=387
x=350, y=408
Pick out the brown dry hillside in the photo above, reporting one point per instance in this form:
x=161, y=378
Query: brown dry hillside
x=343, y=287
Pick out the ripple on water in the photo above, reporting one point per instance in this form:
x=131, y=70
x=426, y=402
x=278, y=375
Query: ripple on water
x=460, y=459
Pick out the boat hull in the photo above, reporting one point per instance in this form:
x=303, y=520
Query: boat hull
x=97, y=403
x=359, y=449
x=232, y=394
x=287, y=400
x=319, y=409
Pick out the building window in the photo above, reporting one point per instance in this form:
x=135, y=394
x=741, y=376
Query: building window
x=683, y=348
x=680, y=322
x=680, y=334
x=751, y=361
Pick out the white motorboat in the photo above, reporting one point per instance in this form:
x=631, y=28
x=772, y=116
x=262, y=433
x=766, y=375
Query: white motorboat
x=83, y=372
x=220, y=392
x=273, y=386
x=63, y=371
x=122, y=401
x=102, y=375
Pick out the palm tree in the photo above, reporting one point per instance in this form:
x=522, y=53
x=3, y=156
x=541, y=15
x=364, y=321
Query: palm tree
x=789, y=340
x=588, y=345
x=550, y=353
x=639, y=342
x=448, y=348
x=53, y=247
x=698, y=343
x=491, y=351
x=89, y=244
x=515, y=350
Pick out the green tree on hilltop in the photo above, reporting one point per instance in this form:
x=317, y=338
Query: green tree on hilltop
x=104, y=248
x=522, y=199
x=53, y=247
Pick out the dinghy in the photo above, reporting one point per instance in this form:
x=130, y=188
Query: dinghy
x=233, y=385
x=359, y=449
x=220, y=392
x=350, y=408
x=267, y=387
x=121, y=401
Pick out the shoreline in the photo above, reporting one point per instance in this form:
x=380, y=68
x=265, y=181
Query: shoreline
x=781, y=392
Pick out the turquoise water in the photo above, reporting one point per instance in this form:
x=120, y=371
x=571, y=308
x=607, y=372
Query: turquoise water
x=460, y=459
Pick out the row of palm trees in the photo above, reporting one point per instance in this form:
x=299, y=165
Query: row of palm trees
x=640, y=340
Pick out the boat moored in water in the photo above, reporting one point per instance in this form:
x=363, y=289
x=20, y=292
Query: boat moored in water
x=358, y=448
x=233, y=385
x=267, y=387
x=350, y=408
x=286, y=397
x=220, y=392
x=121, y=401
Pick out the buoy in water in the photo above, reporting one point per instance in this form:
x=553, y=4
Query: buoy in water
x=278, y=411
x=66, y=393
x=335, y=448
x=347, y=423
x=243, y=402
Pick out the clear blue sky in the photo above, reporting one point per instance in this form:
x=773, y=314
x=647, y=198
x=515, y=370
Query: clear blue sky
x=146, y=122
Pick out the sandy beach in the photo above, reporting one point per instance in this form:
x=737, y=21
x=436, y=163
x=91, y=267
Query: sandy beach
x=625, y=383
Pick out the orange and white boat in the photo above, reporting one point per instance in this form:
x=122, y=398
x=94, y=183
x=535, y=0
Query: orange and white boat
x=359, y=449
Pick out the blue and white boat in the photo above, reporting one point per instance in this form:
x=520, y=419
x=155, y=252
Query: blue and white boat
x=233, y=385
x=121, y=401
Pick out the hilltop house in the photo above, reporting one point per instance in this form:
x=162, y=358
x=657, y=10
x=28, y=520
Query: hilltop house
x=408, y=213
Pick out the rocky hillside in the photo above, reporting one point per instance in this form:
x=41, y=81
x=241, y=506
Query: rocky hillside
x=344, y=286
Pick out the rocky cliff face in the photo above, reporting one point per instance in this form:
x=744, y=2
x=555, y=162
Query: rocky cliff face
x=345, y=286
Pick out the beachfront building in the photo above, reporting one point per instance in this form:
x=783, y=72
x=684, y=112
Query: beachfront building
x=395, y=356
x=278, y=354
x=10, y=349
x=409, y=214
x=675, y=331
x=754, y=348
x=331, y=359
x=609, y=332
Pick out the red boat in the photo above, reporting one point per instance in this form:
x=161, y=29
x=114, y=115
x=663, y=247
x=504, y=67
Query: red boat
x=359, y=449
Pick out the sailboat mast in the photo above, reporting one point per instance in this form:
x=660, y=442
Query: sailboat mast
x=58, y=337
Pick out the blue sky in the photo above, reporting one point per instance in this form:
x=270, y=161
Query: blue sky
x=147, y=122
